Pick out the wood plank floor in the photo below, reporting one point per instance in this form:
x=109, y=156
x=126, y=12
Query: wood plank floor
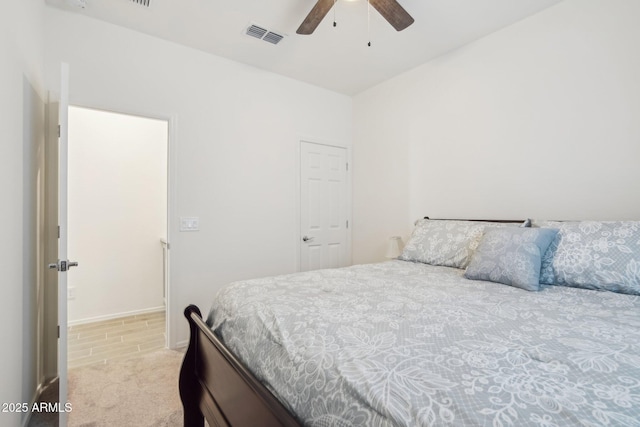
x=115, y=338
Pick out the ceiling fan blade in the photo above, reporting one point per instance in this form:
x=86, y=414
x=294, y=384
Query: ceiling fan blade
x=314, y=17
x=393, y=12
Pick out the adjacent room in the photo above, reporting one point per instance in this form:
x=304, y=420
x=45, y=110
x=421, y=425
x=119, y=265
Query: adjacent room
x=118, y=222
x=299, y=137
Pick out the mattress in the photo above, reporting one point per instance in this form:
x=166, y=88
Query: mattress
x=408, y=344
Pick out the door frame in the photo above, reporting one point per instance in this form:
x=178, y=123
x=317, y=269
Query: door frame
x=298, y=197
x=172, y=154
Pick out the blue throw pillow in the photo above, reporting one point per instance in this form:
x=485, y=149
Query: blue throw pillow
x=600, y=255
x=512, y=256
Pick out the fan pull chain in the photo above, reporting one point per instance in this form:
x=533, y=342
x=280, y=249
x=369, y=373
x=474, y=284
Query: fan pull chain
x=369, y=22
x=335, y=24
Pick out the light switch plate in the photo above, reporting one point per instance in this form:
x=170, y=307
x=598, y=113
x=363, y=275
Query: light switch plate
x=189, y=223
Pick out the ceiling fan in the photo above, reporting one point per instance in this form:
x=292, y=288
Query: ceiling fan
x=389, y=9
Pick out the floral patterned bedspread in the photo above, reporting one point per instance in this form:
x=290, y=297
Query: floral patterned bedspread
x=407, y=344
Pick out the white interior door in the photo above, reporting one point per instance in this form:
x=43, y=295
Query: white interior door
x=63, y=155
x=323, y=207
x=62, y=264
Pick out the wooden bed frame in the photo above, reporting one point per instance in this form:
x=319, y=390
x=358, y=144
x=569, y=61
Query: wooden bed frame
x=215, y=385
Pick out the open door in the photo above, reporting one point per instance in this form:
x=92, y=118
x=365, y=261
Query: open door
x=61, y=264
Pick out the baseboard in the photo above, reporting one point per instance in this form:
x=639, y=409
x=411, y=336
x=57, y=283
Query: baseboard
x=116, y=315
x=181, y=344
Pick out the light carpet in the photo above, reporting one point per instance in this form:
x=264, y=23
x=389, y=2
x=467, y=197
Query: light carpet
x=138, y=391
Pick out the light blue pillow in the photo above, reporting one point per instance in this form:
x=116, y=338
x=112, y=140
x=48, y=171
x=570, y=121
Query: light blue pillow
x=512, y=256
x=601, y=255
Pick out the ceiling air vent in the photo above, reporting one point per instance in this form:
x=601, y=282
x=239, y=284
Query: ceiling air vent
x=145, y=3
x=263, y=34
x=272, y=37
x=255, y=31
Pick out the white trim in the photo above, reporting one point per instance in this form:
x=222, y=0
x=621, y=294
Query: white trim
x=125, y=111
x=296, y=200
x=321, y=141
x=116, y=315
x=171, y=325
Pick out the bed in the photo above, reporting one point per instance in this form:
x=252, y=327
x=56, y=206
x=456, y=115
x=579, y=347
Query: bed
x=442, y=336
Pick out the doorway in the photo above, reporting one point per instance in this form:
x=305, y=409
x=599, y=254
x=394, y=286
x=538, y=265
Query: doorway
x=118, y=207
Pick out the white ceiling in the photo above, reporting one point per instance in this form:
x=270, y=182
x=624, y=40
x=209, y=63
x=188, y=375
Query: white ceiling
x=336, y=58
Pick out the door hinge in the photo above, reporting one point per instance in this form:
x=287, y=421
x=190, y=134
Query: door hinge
x=58, y=232
x=58, y=331
x=347, y=223
x=58, y=131
x=347, y=166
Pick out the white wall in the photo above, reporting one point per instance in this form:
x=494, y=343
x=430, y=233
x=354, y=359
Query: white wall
x=21, y=127
x=537, y=120
x=235, y=130
x=117, y=212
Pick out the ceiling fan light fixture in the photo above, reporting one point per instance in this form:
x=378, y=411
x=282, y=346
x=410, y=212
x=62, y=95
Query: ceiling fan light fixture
x=390, y=10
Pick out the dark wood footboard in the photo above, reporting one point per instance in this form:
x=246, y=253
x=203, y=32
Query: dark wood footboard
x=215, y=385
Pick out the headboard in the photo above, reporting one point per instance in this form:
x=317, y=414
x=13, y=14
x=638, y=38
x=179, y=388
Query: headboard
x=477, y=220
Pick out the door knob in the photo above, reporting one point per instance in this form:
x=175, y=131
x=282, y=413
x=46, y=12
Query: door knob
x=307, y=239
